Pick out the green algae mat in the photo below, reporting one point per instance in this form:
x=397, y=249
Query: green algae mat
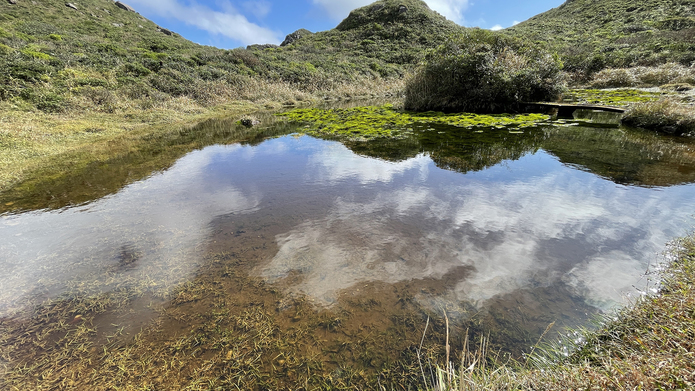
x=373, y=122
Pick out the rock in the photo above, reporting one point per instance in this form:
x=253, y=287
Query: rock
x=70, y=5
x=124, y=6
x=165, y=31
x=117, y=24
x=377, y=7
x=249, y=121
x=402, y=9
x=261, y=46
x=12, y=1
x=291, y=38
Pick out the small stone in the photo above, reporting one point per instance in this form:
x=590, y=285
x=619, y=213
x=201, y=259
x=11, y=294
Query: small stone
x=249, y=122
x=12, y=1
x=402, y=9
x=70, y=5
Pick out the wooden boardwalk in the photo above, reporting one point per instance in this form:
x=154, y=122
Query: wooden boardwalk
x=567, y=109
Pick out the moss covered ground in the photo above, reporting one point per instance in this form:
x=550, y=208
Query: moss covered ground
x=369, y=122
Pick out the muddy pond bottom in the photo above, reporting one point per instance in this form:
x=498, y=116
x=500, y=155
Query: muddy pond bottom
x=305, y=263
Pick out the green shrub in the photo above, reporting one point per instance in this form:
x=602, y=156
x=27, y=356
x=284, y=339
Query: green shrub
x=31, y=71
x=135, y=69
x=34, y=52
x=483, y=71
x=4, y=49
x=55, y=37
x=677, y=23
x=44, y=100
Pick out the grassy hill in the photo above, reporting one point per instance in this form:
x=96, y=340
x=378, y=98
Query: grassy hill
x=101, y=57
x=592, y=35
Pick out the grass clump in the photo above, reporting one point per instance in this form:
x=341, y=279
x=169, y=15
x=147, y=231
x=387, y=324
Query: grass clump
x=371, y=122
x=483, y=71
x=665, y=115
x=643, y=76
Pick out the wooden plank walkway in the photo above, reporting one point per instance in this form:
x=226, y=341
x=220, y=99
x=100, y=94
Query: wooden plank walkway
x=566, y=109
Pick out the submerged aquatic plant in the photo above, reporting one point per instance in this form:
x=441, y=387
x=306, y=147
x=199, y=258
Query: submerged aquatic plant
x=385, y=121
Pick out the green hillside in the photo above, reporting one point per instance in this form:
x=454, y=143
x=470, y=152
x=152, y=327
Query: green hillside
x=101, y=57
x=595, y=34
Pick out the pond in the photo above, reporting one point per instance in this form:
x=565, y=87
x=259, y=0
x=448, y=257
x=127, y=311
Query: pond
x=289, y=261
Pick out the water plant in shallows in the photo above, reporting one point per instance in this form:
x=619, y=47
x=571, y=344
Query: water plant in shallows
x=371, y=122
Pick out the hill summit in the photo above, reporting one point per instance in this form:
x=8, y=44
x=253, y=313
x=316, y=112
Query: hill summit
x=394, y=11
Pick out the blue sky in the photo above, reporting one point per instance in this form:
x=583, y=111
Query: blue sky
x=234, y=23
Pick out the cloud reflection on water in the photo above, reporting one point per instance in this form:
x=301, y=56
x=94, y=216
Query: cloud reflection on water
x=161, y=221
x=562, y=226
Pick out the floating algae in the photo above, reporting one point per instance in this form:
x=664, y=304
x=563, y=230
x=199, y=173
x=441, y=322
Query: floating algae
x=371, y=122
x=617, y=97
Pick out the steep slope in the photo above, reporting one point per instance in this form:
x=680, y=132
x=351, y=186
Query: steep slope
x=594, y=34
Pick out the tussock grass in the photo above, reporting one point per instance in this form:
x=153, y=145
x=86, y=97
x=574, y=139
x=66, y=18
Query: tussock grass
x=640, y=76
x=665, y=115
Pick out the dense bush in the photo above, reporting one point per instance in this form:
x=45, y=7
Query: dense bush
x=483, y=71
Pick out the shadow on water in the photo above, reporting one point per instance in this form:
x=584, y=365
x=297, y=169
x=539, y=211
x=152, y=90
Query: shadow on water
x=271, y=262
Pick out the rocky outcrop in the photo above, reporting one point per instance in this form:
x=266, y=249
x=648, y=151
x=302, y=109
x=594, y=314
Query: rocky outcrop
x=124, y=6
x=70, y=5
x=165, y=31
x=12, y=1
x=291, y=38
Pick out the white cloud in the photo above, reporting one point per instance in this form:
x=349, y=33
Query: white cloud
x=497, y=27
x=452, y=9
x=228, y=22
x=259, y=9
x=515, y=23
x=339, y=9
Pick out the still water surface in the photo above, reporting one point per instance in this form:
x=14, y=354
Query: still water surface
x=512, y=232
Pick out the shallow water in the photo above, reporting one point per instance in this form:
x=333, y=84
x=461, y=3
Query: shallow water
x=504, y=232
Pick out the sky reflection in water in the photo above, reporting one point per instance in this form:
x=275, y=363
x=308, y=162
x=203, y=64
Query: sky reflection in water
x=346, y=220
